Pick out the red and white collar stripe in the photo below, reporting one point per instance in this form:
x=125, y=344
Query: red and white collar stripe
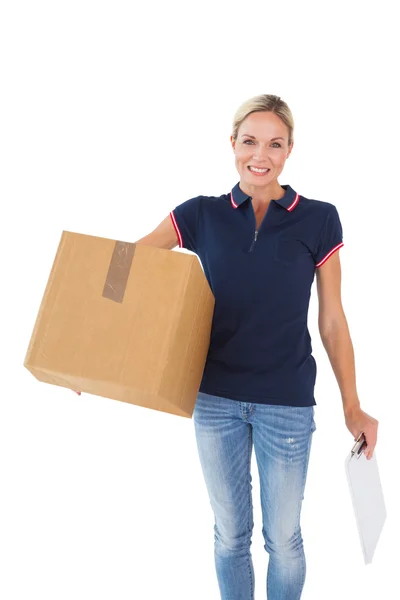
x=290, y=208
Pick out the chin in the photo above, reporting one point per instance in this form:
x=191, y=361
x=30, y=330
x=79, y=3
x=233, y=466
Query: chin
x=257, y=180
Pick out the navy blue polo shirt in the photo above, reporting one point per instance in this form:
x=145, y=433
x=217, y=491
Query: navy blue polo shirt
x=260, y=347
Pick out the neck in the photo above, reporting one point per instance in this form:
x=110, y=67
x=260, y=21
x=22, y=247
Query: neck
x=262, y=195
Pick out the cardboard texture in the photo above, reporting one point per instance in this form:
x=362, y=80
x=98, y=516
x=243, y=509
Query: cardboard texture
x=124, y=321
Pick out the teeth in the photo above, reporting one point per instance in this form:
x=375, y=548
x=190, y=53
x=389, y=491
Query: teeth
x=258, y=170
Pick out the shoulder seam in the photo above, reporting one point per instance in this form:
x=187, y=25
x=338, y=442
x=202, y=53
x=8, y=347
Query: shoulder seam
x=320, y=233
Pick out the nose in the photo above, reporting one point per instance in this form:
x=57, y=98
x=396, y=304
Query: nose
x=260, y=153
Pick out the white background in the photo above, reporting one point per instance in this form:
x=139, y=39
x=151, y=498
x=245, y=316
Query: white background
x=112, y=113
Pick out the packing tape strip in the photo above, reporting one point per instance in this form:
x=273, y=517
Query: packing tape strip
x=118, y=271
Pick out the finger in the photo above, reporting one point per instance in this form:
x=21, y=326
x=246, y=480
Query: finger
x=369, y=452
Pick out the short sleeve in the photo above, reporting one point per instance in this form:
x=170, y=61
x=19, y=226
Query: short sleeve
x=185, y=218
x=330, y=238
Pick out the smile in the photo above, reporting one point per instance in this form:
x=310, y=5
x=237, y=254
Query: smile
x=258, y=171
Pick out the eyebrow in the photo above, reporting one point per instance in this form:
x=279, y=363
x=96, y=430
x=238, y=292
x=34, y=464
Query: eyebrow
x=272, y=139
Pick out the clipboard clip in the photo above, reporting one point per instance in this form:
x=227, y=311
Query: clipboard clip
x=359, y=446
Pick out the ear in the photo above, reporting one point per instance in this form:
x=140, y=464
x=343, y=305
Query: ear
x=232, y=142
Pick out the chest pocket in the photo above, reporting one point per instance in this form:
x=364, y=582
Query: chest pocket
x=289, y=251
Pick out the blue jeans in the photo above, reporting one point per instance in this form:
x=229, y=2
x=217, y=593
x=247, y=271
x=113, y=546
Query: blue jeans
x=225, y=432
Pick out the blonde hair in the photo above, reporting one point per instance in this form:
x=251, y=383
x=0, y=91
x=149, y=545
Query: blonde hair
x=264, y=102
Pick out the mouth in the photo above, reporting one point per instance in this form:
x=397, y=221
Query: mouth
x=257, y=171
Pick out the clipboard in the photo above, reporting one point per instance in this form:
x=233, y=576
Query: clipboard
x=367, y=496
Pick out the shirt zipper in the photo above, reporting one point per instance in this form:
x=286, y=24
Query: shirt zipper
x=254, y=241
x=256, y=231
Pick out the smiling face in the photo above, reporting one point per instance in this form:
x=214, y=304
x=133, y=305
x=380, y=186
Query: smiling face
x=262, y=142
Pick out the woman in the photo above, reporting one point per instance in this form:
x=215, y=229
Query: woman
x=260, y=246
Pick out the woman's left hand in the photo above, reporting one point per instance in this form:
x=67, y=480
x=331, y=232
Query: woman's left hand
x=358, y=421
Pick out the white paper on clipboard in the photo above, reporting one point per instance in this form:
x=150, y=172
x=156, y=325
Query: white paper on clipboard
x=367, y=497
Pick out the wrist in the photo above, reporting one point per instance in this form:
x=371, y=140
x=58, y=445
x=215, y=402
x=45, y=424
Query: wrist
x=351, y=406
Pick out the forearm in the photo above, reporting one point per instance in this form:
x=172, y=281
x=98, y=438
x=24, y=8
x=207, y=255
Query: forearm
x=339, y=348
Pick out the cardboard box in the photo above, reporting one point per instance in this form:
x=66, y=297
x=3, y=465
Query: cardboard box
x=124, y=321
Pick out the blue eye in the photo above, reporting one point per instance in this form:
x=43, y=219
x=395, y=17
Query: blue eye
x=245, y=142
